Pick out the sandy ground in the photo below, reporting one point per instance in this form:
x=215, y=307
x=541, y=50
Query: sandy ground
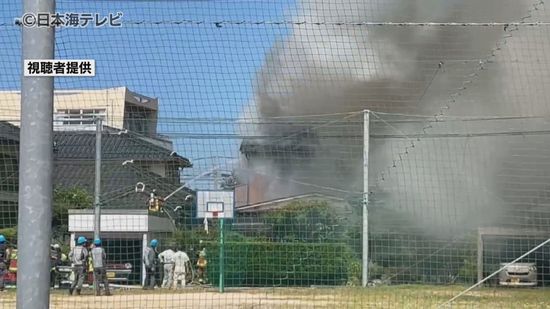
x=388, y=297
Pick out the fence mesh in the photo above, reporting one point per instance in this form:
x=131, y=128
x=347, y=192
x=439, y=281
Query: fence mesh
x=268, y=100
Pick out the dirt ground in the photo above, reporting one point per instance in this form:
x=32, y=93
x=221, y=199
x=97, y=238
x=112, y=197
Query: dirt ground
x=411, y=296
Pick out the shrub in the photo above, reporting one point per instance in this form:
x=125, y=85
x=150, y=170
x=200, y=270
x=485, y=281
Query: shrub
x=307, y=221
x=282, y=264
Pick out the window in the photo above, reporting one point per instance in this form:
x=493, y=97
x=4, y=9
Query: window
x=137, y=119
x=80, y=119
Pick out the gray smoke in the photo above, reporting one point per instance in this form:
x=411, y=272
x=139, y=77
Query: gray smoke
x=339, y=68
x=328, y=68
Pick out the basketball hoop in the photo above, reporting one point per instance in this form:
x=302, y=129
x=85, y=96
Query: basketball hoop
x=214, y=215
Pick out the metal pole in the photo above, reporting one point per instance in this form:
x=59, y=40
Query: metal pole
x=35, y=167
x=221, y=255
x=97, y=188
x=479, y=256
x=365, y=257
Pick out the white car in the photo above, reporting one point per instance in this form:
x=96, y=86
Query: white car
x=518, y=274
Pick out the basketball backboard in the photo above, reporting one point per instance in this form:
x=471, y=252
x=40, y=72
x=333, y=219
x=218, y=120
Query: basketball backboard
x=215, y=204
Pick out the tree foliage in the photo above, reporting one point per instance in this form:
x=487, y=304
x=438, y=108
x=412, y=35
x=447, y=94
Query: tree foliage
x=305, y=221
x=63, y=200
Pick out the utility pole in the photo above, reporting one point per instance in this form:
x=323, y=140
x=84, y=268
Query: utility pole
x=365, y=257
x=97, y=188
x=34, y=228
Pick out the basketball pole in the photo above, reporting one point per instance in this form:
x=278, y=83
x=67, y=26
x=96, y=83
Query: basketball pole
x=222, y=241
x=221, y=255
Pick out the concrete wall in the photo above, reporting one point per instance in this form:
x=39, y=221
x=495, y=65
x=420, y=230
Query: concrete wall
x=119, y=220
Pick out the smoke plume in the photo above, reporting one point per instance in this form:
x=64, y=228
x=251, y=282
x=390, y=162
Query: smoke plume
x=330, y=64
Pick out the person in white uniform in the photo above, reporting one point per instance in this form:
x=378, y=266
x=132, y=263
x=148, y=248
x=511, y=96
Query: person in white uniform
x=180, y=261
x=166, y=258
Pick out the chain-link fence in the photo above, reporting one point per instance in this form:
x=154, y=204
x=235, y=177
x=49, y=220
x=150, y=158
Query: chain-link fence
x=373, y=153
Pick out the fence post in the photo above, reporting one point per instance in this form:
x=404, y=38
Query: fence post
x=34, y=227
x=365, y=255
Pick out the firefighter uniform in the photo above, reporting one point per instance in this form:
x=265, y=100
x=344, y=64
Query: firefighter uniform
x=98, y=262
x=78, y=257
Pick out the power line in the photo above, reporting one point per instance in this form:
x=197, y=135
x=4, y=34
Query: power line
x=220, y=23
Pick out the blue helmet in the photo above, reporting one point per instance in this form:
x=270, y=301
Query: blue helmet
x=81, y=240
x=97, y=242
x=154, y=243
x=2, y=239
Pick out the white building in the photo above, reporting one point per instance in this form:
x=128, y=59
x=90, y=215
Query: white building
x=76, y=109
x=122, y=226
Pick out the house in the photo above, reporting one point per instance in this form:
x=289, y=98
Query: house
x=339, y=205
x=295, y=158
x=132, y=153
x=263, y=188
x=146, y=161
x=127, y=159
x=130, y=135
x=257, y=183
x=119, y=108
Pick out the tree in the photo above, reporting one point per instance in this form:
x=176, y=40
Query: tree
x=305, y=221
x=63, y=200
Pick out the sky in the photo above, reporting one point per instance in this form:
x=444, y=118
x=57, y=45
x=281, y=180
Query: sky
x=198, y=71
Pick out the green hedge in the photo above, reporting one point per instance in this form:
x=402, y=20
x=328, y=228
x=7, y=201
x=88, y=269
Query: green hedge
x=282, y=264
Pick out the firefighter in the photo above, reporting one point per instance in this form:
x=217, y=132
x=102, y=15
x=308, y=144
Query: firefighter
x=150, y=261
x=55, y=261
x=155, y=202
x=180, y=270
x=201, y=266
x=12, y=260
x=166, y=258
x=78, y=257
x=100, y=275
x=89, y=265
x=3, y=260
